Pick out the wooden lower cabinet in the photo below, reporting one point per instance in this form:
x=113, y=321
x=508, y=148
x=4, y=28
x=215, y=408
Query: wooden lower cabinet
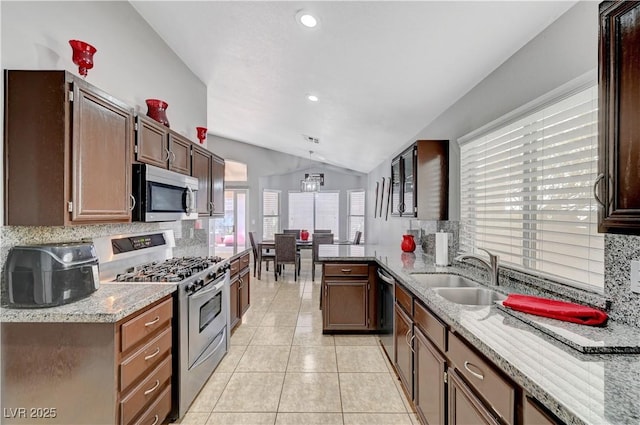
x=83, y=371
x=349, y=297
x=240, y=288
x=465, y=408
x=534, y=414
x=429, y=387
x=234, y=293
x=244, y=291
x=402, y=330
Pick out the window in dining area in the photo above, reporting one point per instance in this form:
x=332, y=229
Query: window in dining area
x=270, y=213
x=308, y=210
x=355, y=220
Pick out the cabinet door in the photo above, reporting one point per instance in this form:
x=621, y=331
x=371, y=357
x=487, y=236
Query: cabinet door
x=234, y=295
x=217, y=194
x=180, y=158
x=408, y=166
x=402, y=330
x=396, y=187
x=619, y=126
x=201, y=169
x=533, y=414
x=244, y=291
x=151, y=139
x=429, y=388
x=465, y=408
x=345, y=305
x=432, y=179
x=101, y=158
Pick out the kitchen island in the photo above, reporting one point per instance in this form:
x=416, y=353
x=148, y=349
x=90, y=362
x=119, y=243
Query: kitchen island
x=577, y=388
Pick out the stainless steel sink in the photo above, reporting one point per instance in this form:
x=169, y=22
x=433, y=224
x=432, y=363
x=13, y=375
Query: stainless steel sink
x=442, y=280
x=470, y=296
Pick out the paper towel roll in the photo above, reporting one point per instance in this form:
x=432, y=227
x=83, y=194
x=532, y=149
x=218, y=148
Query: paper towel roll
x=442, y=249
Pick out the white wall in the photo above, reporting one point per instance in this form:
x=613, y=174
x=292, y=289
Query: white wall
x=132, y=62
x=567, y=49
x=275, y=170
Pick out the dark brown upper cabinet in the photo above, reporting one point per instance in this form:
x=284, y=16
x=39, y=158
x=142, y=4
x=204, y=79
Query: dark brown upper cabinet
x=420, y=181
x=209, y=170
x=157, y=145
x=67, y=151
x=618, y=184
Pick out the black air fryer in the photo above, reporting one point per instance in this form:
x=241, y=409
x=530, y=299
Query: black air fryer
x=50, y=275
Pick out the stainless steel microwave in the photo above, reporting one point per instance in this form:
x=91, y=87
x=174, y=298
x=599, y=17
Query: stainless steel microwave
x=163, y=195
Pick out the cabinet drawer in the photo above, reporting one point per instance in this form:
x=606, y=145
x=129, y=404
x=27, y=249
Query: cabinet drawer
x=346, y=270
x=404, y=299
x=146, y=391
x=235, y=267
x=431, y=326
x=495, y=389
x=158, y=411
x=148, y=356
x=244, y=261
x=138, y=328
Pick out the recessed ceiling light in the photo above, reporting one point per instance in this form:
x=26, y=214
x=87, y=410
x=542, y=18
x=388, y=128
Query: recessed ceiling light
x=306, y=19
x=312, y=97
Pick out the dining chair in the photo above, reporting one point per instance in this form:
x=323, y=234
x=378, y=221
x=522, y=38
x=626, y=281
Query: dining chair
x=292, y=232
x=357, y=237
x=318, y=239
x=259, y=256
x=286, y=253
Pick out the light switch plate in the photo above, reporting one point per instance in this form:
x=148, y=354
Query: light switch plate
x=635, y=276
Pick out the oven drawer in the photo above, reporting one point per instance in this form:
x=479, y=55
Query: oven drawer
x=346, y=270
x=142, y=360
x=143, y=325
x=145, y=392
x=158, y=411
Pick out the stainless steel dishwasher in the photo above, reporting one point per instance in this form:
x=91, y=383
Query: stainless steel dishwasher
x=385, y=309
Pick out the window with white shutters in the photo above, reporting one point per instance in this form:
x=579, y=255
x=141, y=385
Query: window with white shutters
x=527, y=191
x=314, y=210
x=356, y=214
x=270, y=213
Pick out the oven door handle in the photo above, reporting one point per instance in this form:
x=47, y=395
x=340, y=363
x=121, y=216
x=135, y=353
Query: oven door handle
x=200, y=294
x=212, y=352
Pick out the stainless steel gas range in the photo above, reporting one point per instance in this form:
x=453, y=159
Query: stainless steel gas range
x=201, y=329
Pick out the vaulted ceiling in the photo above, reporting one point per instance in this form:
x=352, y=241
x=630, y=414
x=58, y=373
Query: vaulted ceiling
x=381, y=70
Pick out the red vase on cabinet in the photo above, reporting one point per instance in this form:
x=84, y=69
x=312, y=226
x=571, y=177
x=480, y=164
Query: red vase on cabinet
x=304, y=235
x=408, y=244
x=157, y=110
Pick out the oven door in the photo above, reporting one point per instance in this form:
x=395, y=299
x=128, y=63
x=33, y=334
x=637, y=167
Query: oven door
x=207, y=318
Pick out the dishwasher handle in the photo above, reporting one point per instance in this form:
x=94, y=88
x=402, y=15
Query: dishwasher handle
x=384, y=277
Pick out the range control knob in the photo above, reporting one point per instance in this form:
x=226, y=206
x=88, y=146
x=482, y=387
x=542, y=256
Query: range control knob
x=211, y=275
x=190, y=288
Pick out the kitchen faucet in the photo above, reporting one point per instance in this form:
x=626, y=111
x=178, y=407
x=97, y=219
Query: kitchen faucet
x=491, y=265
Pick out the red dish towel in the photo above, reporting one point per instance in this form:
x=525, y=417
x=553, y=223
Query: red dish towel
x=560, y=310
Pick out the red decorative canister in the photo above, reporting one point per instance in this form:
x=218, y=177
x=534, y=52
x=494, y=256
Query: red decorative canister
x=157, y=110
x=304, y=235
x=408, y=244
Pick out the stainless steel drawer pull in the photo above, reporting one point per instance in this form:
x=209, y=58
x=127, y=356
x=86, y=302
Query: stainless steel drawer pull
x=152, y=389
x=155, y=353
x=345, y=270
x=480, y=376
x=156, y=419
x=153, y=322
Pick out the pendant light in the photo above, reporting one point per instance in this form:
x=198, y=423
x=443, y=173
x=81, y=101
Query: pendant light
x=311, y=181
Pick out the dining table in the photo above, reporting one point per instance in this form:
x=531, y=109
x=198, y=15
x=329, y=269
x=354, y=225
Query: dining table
x=268, y=244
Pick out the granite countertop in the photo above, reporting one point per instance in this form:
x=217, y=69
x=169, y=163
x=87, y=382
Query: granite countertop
x=593, y=389
x=237, y=254
x=110, y=303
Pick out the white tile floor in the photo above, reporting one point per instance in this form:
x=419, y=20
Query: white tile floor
x=282, y=370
